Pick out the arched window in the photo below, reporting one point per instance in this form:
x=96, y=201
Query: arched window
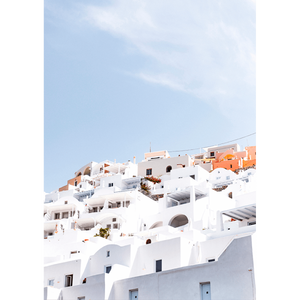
x=168, y=169
x=87, y=171
x=148, y=241
x=178, y=221
x=157, y=224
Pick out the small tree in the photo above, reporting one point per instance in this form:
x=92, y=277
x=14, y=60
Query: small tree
x=103, y=232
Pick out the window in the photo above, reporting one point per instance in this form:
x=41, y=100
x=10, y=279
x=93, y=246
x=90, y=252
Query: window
x=210, y=260
x=95, y=209
x=114, y=219
x=75, y=183
x=110, y=184
x=81, y=298
x=133, y=295
x=108, y=226
x=69, y=280
x=107, y=269
x=107, y=253
x=56, y=216
x=65, y=215
x=192, y=176
x=51, y=282
x=230, y=166
x=116, y=226
x=251, y=223
x=168, y=169
x=66, y=202
x=212, y=153
x=158, y=265
x=227, y=177
x=149, y=172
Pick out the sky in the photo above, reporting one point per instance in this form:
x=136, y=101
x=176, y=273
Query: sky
x=119, y=75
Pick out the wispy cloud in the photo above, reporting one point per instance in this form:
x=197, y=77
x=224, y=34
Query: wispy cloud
x=204, y=48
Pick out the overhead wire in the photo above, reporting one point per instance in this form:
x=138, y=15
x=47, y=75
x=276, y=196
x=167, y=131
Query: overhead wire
x=213, y=145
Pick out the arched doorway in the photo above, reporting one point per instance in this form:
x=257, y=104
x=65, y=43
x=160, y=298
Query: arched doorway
x=178, y=221
x=87, y=171
x=168, y=169
x=157, y=224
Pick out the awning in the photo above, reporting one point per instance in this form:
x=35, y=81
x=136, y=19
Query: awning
x=118, y=196
x=50, y=225
x=116, y=167
x=184, y=195
x=241, y=213
x=132, y=180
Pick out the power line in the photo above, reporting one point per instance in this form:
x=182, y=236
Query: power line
x=213, y=145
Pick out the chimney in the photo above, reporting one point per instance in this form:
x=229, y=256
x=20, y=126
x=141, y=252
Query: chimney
x=134, y=159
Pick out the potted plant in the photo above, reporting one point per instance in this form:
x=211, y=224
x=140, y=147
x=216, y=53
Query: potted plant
x=103, y=232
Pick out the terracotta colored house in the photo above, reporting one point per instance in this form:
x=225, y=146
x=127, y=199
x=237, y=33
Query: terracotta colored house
x=232, y=160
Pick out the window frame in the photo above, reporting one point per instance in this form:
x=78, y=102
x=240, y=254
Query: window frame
x=67, y=280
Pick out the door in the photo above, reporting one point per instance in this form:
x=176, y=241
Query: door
x=134, y=295
x=205, y=287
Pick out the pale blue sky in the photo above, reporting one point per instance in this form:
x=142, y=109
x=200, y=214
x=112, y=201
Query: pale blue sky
x=122, y=74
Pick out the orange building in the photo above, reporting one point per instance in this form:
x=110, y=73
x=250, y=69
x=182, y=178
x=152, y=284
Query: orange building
x=74, y=181
x=232, y=160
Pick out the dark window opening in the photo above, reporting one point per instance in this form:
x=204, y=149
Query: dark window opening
x=192, y=176
x=168, y=169
x=107, y=269
x=69, y=280
x=158, y=265
x=149, y=172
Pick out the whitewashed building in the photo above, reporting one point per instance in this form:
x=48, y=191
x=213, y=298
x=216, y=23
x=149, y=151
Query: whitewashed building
x=174, y=233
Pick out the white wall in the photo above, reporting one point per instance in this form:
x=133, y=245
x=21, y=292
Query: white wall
x=229, y=277
x=159, y=166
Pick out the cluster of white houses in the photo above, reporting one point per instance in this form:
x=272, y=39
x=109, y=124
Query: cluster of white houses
x=176, y=231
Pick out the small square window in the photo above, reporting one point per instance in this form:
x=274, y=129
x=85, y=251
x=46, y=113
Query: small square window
x=56, y=216
x=110, y=184
x=108, y=226
x=192, y=176
x=65, y=215
x=107, y=269
x=51, y=282
x=149, y=172
x=114, y=219
x=95, y=209
x=116, y=226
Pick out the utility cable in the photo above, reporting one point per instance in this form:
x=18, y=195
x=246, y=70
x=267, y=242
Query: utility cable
x=213, y=145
